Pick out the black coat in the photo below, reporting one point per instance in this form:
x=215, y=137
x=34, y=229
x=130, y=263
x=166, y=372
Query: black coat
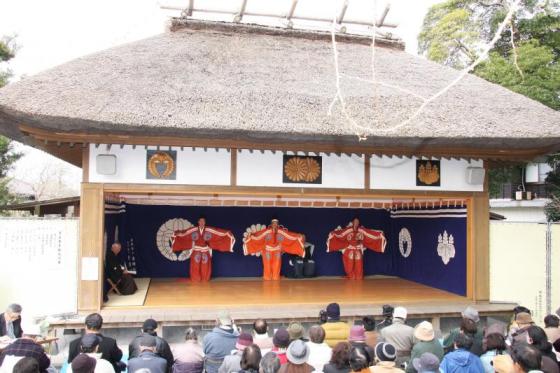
x=162, y=349
x=113, y=267
x=107, y=347
x=17, y=327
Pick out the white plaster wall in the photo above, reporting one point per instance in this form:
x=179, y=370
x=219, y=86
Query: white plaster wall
x=194, y=167
x=400, y=174
x=265, y=169
x=521, y=214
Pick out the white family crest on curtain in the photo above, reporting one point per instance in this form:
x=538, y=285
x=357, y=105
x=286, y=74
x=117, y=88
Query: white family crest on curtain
x=446, y=247
x=252, y=229
x=405, y=242
x=164, y=235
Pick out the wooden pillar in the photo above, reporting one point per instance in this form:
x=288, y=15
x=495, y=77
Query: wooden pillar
x=92, y=206
x=479, y=218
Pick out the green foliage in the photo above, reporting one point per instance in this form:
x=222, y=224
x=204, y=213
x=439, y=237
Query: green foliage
x=552, y=209
x=499, y=176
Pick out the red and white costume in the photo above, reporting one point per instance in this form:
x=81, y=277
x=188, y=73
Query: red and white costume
x=352, y=242
x=200, y=241
x=270, y=243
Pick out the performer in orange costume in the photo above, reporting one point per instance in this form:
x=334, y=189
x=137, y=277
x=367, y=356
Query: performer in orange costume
x=271, y=242
x=352, y=241
x=201, y=240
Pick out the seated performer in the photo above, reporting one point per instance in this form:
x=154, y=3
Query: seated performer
x=117, y=273
x=352, y=241
x=271, y=242
x=200, y=241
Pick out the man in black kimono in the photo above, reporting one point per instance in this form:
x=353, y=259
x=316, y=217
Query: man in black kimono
x=117, y=273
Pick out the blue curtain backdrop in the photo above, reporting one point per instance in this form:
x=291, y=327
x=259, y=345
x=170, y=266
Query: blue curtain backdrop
x=141, y=223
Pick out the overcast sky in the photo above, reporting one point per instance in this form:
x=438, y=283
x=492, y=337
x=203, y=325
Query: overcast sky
x=52, y=32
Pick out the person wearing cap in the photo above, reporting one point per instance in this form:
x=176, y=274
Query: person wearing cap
x=426, y=363
x=335, y=330
x=10, y=322
x=297, y=354
x=261, y=337
x=513, y=327
x=107, y=346
x=461, y=360
x=523, y=322
x=281, y=341
x=427, y=342
x=369, y=330
x=219, y=343
x=148, y=358
x=385, y=359
x=90, y=357
x=357, y=338
x=551, y=323
x=27, y=346
x=387, y=313
x=149, y=327
x=469, y=325
x=400, y=335
x=295, y=330
x=494, y=345
x=189, y=357
x=232, y=362
x=270, y=243
x=319, y=351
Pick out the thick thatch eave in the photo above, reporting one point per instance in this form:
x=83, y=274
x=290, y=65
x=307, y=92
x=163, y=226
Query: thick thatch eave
x=218, y=84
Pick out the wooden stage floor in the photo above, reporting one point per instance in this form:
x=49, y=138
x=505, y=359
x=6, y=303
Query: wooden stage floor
x=319, y=291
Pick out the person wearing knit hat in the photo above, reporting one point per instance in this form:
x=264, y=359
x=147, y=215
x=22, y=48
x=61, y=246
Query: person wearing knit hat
x=385, y=359
x=295, y=330
x=387, y=313
x=149, y=328
x=281, y=341
x=400, y=335
x=232, y=363
x=297, y=354
x=358, y=339
x=427, y=343
x=426, y=363
x=335, y=330
x=89, y=346
x=469, y=325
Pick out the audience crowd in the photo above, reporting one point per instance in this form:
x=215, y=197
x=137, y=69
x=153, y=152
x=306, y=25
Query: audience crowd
x=330, y=346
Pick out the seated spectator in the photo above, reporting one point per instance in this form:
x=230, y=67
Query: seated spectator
x=385, y=358
x=469, y=325
x=357, y=338
x=297, y=354
x=427, y=342
x=219, y=343
x=495, y=345
x=117, y=273
x=400, y=335
x=319, y=352
x=27, y=346
x=526, y=358
x=513, y=327
x=148, y=358
x=281, y=341
x=232, y=362
x=503, y=364
x=269, y=363
x=26, y=365
x=426, y=363
x=90, y=359
x=189, y=357
x=335, y=330
x=107, y=346
x=150, y=327
x=537, y=338
x=556, y=346
x=261, y=337
x=387, y=313
x=461, y=360
x=523, y=322
x=340, y=359
x=359, y=360
x=250, y=359
x=295, y=330
x=370, y=332
x=10, y=322
x=551, y=323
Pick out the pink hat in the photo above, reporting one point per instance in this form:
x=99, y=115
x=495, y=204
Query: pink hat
x=244, y=340
x=357, y=334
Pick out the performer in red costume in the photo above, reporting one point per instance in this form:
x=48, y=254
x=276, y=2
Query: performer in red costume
x=352, y=241
x=201, y=240
x=271, y=242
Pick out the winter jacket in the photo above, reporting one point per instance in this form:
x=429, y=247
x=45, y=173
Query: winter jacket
x=335, y=332
x=461, y=361
x=147, y=360
x=421, y=347
x=487, y=359
x=232, y=363
x=216, y=345
x=401, y=336
x=162, y=349
x=477, y=341
x=319, y=355
x=101, y=365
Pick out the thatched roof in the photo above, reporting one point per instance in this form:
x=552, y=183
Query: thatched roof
x=239, y=83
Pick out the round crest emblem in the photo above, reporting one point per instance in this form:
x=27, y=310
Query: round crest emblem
x=405, y=242
x=164, y=235
x=161, y=165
